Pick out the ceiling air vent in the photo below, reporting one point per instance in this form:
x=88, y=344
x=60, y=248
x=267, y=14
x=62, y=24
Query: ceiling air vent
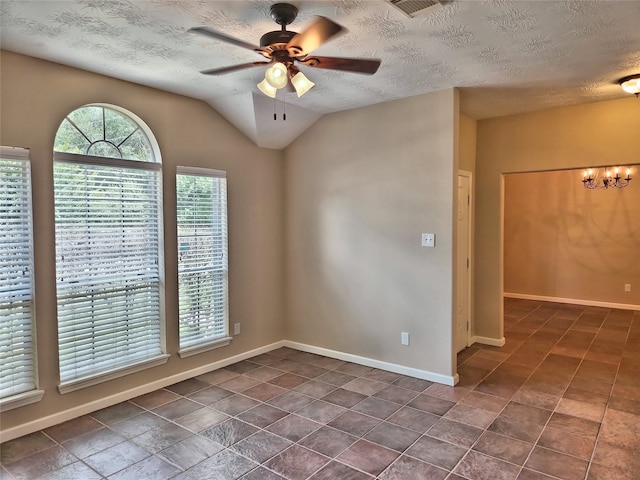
x=414, y=8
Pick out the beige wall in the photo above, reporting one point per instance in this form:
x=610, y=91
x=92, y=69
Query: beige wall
x=570, y=137
x=36, y=96
x=586, y=243
x=362, y=186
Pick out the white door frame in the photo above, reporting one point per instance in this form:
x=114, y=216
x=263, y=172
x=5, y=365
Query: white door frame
x=463, y=260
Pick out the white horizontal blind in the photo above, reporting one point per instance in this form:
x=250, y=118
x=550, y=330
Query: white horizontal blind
x=108, y=263
x=202, y=255
x=17, y=362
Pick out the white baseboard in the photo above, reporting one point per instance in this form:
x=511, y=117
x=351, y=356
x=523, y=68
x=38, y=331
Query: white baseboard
x=370, y=362
x=84, y=409
x=573, y=301
x=494, y=342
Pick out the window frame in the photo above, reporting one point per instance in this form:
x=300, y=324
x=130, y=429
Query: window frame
x=151, y=164
x=207, y=343
x=33, y=394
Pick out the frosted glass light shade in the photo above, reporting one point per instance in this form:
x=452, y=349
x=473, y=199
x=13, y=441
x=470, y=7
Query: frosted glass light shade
x=267, y=89
x=301, y=83
x=276, y=75
x=631, y=86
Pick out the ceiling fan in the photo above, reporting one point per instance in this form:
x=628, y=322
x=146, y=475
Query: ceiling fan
x=283, y=48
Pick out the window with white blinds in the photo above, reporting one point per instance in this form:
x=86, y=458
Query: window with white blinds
x=109, y=268
x=17, y=352
x=202, y=258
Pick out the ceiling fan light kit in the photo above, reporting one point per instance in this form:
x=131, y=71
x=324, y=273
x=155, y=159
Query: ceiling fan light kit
x=284, y=47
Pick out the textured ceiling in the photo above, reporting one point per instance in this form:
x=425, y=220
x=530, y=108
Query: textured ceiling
x=507, y=56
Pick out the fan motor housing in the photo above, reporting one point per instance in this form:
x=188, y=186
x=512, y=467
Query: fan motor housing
x=278, y=36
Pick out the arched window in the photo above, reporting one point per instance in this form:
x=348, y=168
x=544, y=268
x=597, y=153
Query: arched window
x=109, y=254
x=105, y=131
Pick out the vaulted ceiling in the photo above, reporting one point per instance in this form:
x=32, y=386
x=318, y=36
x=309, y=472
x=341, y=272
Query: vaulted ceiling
x=506, y=56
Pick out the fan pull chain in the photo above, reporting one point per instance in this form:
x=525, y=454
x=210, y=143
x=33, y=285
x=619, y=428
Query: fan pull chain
x=284, y=108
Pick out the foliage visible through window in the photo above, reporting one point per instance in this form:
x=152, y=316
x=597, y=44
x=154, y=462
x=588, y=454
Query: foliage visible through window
x=103, y=132
x=108, y=244
x=202, y=255
x=17, y=363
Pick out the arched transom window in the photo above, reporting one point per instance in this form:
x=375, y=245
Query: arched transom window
x=102, y=131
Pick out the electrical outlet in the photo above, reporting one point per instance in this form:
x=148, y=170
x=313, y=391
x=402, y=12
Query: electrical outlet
x=428, y=240
x=627, y=287
x=404, y=338
x=236, y=329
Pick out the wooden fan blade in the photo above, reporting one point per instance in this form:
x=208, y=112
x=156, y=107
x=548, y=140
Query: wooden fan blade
x=232, y=68
x=357, y=65
x=321, y=30
x=208, y=32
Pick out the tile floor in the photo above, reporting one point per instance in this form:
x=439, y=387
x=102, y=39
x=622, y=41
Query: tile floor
x=561, y=400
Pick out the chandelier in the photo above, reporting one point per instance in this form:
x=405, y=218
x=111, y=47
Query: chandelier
x=607, y=180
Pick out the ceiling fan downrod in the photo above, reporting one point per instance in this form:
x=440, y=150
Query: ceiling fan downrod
x=283, y=14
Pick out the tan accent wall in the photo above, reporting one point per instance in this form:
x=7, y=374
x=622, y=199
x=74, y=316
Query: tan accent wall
x=468, y=135
x=36, y=96
x=362, y=186
x=562, y=138
x=562, y=240
x=467, y=142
